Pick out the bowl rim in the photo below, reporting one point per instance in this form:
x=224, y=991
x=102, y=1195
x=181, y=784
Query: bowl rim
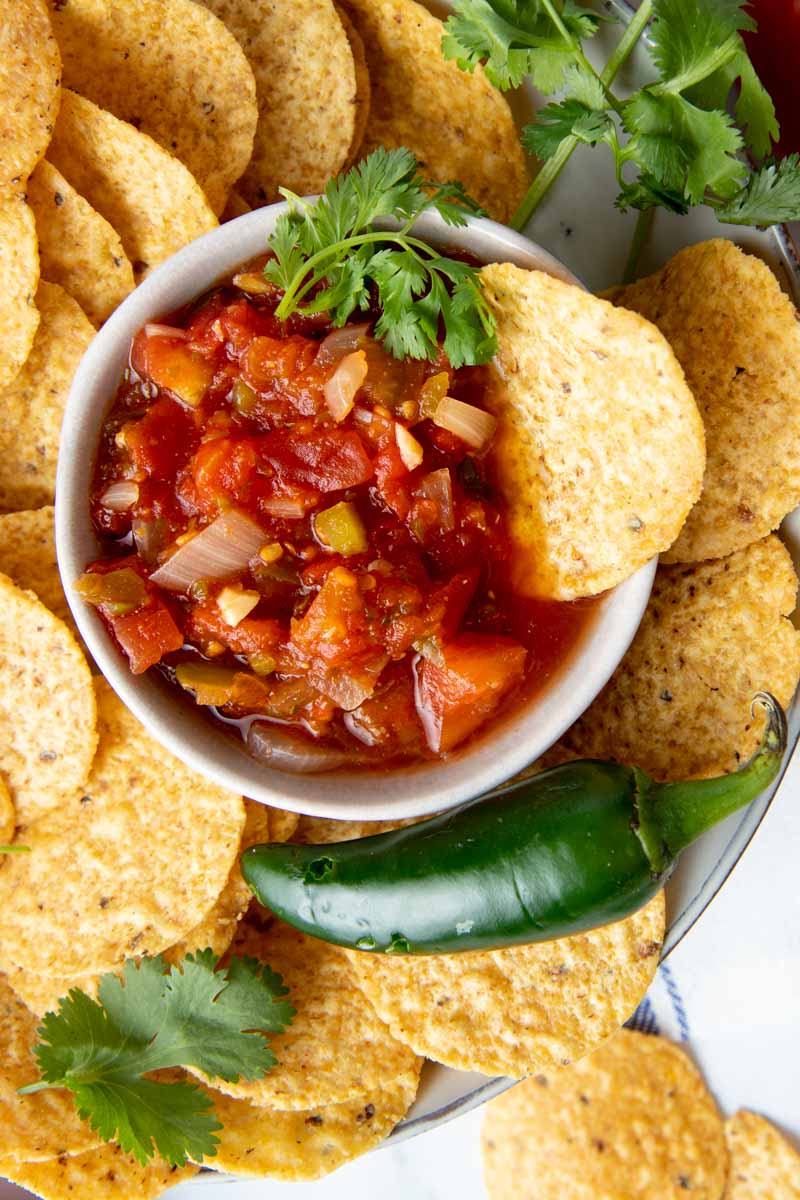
x=406, y=792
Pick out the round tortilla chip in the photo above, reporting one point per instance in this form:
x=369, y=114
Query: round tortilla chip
x=737, y=337
x=599, y=446
x=634, y=1120
x=307, y=1144
x=456, y=123
x=306, y=89
x=763, y=1165
x=8, y=816
x=48, y=730
x=713, y=634
x=314, y=831
x=237, y=206
x=30, y=77
x=28, y=557
x=282, y=824
x=104, y=1174
x=336, y=1049
x=78, y=249
x=171, y=69
x=517, y=1011
x=363, y=85
x=32, y=407
x=19, y=272
x=149, y=197
x=123, y=867
x=40, y=1126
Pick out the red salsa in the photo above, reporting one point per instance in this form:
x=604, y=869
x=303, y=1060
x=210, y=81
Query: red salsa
x=302, y=534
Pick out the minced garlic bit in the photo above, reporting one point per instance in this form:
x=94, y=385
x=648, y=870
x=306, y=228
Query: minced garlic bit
x=235, y=603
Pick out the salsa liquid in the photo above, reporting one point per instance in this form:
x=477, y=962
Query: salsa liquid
x=301, y=533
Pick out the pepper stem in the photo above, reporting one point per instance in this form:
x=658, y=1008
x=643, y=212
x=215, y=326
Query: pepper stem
x=681, y=812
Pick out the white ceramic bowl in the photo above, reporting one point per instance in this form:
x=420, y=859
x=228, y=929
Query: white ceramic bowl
x=407, y=792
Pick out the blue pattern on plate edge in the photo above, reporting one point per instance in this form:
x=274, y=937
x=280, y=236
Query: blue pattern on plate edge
x=650, y=1016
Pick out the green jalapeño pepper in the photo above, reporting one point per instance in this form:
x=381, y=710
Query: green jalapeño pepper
x=576, y=847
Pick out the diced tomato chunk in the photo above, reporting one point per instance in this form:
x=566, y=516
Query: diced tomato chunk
x=455, y=698
x=268, y=360
x=147, y=635
x=173, y=364
x=223, y=469
x=448, y=604
x=328, y=460
x=388, y=718
x=161, y=440
x=391, y=476
x=334, y=627
x=253, y=635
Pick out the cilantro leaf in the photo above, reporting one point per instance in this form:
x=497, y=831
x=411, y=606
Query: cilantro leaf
x=770, y=195
x=150, y=1019
x=555, y=122
x=755, y=112
x=331, y=255
x=689, y=40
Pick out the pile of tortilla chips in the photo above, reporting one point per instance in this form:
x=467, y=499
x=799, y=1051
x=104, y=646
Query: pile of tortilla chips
x=634, y=1119
x=135, y=126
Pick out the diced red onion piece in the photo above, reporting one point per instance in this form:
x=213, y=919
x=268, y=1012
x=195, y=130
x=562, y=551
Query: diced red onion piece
x=120, y=496
x=154, y=329
x=340, y=342
x=287, y=508
x=438, y=487
x=222, y=549
x=471, y=424
x=287, y=751
x=340, y=390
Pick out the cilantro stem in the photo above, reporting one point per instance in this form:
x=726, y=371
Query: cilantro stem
x=710, y=64
x=644, y=224
x=551, y=170
x=297, y=288
x=15, y=849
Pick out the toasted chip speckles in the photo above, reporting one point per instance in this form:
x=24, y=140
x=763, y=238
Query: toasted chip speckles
x=30, y=74
x=599, y=446
x=28, y=556
x=633, y=1120
x=19, y=278
x=47, y=709
x=457, y=124
x=171, y=69
x=149, y=197
x=737, y=337
x=282, y=824
x=124, y=866
x=522, y=1010
x=763, y=1165
x=104, y=1174
x=32, y=406
x=363, y=85
x=8, y=816
x=45, y=1124
x=713, y=635
x=41, y=993
x=78, y=249
x=306, y=89
x=321, y=830
x=307, y=1144
x=336, y=1048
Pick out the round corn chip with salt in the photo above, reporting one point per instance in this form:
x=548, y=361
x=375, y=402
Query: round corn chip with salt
x=41, y=993
x=737, y=337
x=521, y=1010
x=78, y=249
x=104, y=1174
x=763, y=1165
x=40, y=1126
x=310, y=1143
x=48, y=730
x=363, y=85
x=8, y=816
x=634, y=1120
x=336, y=1049
x=457, y=124
x=149, y=197
x=713, y=634
x=30, y=77
x=19, y=278
x=313, y=831
x=28, y=556
x=173, y=70
x=599, y=447
x=124, y=866
x=306, y=89
x=32, y=407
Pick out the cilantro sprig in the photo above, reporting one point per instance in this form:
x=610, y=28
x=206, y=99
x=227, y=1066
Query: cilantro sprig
x=329, y=256
x=674, y=142
x=150, y=1019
